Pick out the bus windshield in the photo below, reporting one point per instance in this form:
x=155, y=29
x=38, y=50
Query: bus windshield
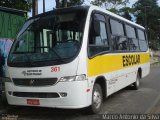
x=53, y=37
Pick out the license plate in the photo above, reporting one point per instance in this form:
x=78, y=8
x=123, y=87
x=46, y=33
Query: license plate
x=33, y=102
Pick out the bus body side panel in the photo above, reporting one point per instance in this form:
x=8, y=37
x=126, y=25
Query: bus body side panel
x=119, y=69
x=145, y=69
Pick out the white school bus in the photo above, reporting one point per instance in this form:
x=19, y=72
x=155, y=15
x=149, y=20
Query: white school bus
x=74, y=58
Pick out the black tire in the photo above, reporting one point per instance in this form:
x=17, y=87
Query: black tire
x=137, y=83
x=97, y=99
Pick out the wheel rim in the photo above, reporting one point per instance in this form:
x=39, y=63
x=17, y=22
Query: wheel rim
x=97, y=99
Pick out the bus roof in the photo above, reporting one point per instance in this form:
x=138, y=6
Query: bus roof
x=92, y=7
x=72, y=8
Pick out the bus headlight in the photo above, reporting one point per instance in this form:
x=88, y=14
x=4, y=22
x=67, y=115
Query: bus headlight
x=73, y=78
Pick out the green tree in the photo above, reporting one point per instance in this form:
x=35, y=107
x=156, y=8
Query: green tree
x=147, y=13
x=75, y=2
x=115, y=6
x=65, y=3
x=17, y=4
x=110, y=4
x=126, y=12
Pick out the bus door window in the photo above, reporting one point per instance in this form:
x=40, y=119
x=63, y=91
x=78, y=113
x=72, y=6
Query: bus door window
x=98, y=39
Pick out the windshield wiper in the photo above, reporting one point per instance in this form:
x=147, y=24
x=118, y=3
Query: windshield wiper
x=20, y=52
x=60, y=58
x=52, y=49
x=27, y=56
x=31, y=63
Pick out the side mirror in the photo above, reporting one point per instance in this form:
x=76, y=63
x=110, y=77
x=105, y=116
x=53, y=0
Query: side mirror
x=96, y=28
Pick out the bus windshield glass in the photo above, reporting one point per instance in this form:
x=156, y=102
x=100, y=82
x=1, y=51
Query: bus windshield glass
x=56, y=36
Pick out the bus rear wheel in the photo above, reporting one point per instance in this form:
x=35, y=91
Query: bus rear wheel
x=137, y=83
x=97, y=99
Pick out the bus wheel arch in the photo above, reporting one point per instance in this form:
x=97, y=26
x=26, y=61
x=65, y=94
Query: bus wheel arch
x=102, y=82
x=136, y=84
x=98, y=94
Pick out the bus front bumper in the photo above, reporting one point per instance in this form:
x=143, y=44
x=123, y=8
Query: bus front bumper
x=62, y=95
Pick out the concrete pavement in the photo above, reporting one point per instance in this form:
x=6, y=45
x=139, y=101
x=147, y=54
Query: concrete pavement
x=156, y=108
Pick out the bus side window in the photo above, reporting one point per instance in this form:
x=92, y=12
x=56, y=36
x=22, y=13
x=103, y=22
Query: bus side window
x=132, y=38
x=119, y=41
x=98, y=39
x=142, y=40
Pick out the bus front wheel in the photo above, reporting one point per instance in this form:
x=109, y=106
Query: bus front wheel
x=97, y=99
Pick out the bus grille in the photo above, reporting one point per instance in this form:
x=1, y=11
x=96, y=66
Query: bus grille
x=35, y=82
x=36, y=95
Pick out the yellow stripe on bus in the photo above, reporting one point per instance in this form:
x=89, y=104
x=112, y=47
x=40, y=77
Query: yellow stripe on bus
x=109, y=63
